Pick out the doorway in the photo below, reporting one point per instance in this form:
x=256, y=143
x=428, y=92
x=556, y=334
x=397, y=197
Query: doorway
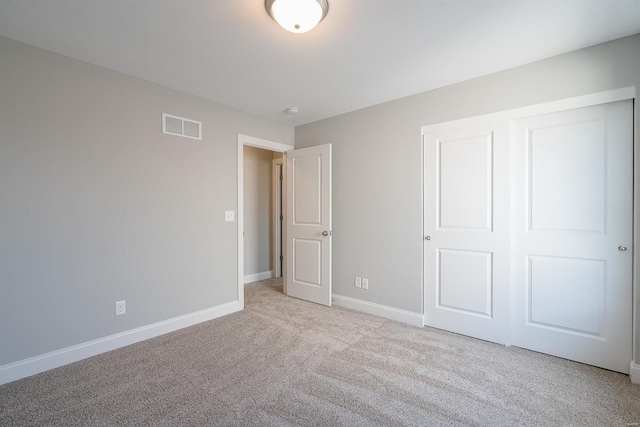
x=307, y=235
x=245, y=140
x=261, y=198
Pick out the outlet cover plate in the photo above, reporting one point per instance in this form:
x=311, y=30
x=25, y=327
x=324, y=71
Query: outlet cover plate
x=121, y=307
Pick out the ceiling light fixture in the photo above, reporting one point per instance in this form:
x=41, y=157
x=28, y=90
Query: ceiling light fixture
x=297, y=16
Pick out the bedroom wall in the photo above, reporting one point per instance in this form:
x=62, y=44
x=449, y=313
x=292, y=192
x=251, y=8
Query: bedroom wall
x=97, y=205
x=377, y=195
x=257, y=210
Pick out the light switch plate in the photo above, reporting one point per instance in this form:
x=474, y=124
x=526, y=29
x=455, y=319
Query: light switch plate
x=229, y=215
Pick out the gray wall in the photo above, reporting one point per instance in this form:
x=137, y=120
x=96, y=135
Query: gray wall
x=257, y=210
x=97, y=205
x=377, y=200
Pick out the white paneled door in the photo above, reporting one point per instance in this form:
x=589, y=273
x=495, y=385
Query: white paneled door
x=466, y=224
x=308, y=224
x=528, y=232
x=572, y=176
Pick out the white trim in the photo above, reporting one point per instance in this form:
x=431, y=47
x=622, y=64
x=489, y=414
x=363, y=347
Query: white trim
x=634, y=373
x=415, y=319
x=267, y=145
x=635, y=352
x=598, y=98
x=423, y=277
x=34, y=365
x=264, y=143
x=250, y=278
x=283, y=246
x=240, y=222
x=277, y=169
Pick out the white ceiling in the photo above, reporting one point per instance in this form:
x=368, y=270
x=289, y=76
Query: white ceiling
x=364, y=52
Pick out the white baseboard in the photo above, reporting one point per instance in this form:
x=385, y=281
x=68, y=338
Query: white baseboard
x=634, y=373
x=34, y=365
x=415, y=319
x=250, y=278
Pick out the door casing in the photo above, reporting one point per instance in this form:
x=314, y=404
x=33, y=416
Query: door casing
x=277, y=226
x=267, y=145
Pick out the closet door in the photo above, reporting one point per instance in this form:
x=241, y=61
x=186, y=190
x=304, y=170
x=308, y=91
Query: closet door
x=572, y=176
x=466, y=225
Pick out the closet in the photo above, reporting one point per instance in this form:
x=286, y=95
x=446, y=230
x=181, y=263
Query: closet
x=528, y=227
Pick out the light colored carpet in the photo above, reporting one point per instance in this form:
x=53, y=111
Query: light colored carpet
x=283, y=362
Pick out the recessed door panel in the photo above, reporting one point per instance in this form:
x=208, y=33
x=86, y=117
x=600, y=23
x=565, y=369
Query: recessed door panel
x=307, y=192
x=307, y=260
x=465, y=187
x=555, y=284
x=568, y=176
x=468, y=289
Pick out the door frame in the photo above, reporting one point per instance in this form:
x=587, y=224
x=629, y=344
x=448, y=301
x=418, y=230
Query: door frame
x=621, y=94
x=277, y=173
x=259, y=143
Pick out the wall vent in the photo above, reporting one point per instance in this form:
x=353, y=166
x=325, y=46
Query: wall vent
x=179, y=126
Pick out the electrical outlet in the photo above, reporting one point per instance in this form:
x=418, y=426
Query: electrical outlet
x=365, y=283
x=358, y=282
x=121, y=307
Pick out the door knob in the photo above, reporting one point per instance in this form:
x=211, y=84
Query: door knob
x=325, y=233
x=622, y=248
x=427, y=238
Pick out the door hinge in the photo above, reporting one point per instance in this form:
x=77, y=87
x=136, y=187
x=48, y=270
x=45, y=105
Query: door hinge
x=281, y=258
x=281, y=177
x=281, y=217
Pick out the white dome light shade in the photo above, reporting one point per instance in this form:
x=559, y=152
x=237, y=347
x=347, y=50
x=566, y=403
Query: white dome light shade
x=297, y=16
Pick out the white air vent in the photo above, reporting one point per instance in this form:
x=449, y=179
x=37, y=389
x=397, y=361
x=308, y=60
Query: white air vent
x=179, y=126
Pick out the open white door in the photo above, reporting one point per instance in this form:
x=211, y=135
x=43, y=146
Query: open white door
x=308, y=224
